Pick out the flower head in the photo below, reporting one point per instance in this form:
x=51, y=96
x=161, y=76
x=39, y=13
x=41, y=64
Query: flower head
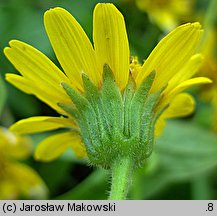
x=17, y=179
x=167, y=14
x=111, y=103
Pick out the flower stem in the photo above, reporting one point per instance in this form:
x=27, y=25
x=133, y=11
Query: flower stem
x=121, y=178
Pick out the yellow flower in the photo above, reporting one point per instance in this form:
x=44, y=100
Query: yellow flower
x=174, y=59
x=167, y=14
x=17, y=180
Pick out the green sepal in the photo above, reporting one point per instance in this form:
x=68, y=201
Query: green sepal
x=112, y=102
x=87, y=118
x=80, y=102
x=127, y=98
x=148, y=112
x=138, y=103
x=90, y=90
x=92, y=94
x=70, y=109
x=147, y=127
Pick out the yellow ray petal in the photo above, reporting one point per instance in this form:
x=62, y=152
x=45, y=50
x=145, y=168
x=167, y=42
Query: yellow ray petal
x=41, y=124
x=8, y=190
x=19, y=82
x=186, y=72
x=171, y=53
x=14, y=146
x=159, y=126
x=164, y=19
x=189, y=83
x=41, y=77
x=49, y=97
x=111, y=42
x=22, y=149
x=72, y=46
x=53, y=146
x=34, y=65
x=182, y=105
x=169, y=94
x=27, y=182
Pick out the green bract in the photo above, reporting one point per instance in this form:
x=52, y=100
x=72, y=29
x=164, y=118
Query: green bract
x=115, y=124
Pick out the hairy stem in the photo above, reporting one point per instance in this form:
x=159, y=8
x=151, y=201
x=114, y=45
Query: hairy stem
x=121, y=178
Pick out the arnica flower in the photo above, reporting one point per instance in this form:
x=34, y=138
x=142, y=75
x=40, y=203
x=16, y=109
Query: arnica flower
x=17, y=180
x=167, y=14
x=109, y=102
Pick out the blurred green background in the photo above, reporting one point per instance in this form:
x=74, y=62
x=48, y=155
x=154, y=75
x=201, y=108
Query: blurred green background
x=184, y=162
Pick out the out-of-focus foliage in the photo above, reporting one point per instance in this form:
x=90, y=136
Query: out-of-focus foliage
x=184, y=162
x=209, y=68
x=3, y=94
x=167, y=14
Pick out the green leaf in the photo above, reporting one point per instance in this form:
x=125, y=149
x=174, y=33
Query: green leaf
x=186, y=150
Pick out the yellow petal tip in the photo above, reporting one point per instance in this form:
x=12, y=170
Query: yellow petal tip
x=208, y=81
x=8, y=76
x=6, y=49
x=55, y=9
x=14, y=42
x=36, y=157
x=103, y=4
x=196, y=25
x=52, y=10
x=100, y=6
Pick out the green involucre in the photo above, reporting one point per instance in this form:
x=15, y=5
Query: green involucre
x=114, y=124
